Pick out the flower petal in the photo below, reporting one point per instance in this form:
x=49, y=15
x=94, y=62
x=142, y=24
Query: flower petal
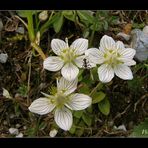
x=123, y=72
x=53, y=63
x=79, y=102
x=105, y=73
x=67, y=86
x=127, y=53
x=107, y=42
x=41, y=106
x=95, y=55
x=119, y=45
x=79, y=61
x=70, y=71
x=128, y=62
x=79, y=46
x=63, y=118
x=57, y=45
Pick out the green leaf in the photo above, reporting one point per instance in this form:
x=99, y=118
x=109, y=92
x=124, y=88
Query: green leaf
x=58, y=22
x=87, y=119
x=97, y=97
x=72, y=129
x=69, y=14
x=26, y=13
x=104, y=106
x=78, y=114
x=85, y=16
x=84, y=89
x=141, y=130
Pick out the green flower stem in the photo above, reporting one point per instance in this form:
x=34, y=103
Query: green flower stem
x=95, y=89
x=39, y=50
x=92, y=37
x=31, y=28
x=47, y=24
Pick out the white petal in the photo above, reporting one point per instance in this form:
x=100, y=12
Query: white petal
x=79, y=102
x=128, y=62
x=107, y=42
x=119, y=45
x=105, y=73
x=63, y=118
x=79, y=61
x=53, y=63
x=95, y=55
x=41, y=106
x=123, y=72
x=127, y=53
x=67, y=86
x=58, y=45
x=70, y=71
x=79, y=45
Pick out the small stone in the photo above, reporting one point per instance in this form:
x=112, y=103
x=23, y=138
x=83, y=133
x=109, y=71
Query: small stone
x=20, y=30
x=145, y=30
x=53, y=133
x=24, y=127
x=20, y=135
x=122, y=127
x=140, y=44
x=17, y=125
x=13, y=131
x=3, y=58
x=6, y=93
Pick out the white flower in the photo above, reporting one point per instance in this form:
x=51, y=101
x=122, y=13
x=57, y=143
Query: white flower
x=69, y=57
x=62, y=102
x=53, y=133
x=114, y=58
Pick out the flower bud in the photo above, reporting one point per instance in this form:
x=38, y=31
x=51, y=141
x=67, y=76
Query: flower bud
x=43, y=15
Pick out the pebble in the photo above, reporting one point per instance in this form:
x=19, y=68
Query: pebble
x=3, y=57
x=140, y=43
x=20, y=135
x=13, y=131
x=53, y=133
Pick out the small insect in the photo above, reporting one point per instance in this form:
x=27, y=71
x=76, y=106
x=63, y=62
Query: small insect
x=86, y=64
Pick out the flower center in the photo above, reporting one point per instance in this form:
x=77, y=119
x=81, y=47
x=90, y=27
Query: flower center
x=68, y=55
x=111, y=58
x=60, y=99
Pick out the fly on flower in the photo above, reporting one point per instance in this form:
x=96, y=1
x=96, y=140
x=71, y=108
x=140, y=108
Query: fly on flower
x=61, y=103
x=69, y=58
x=114, y=58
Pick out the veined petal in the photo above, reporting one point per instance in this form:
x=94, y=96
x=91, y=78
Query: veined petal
x=70, y=71
x=123, y=72
x=57, y=45
x=79, y=46
x=67, y=86
x=63, y=118
x=53, y=63
x=119, y=45
x=79, y=61
x=105, y=73
x=127, y=62
x=95, y=55
x=107, y=42
x=79, y=102
x=127, y=53
x=41, y=106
